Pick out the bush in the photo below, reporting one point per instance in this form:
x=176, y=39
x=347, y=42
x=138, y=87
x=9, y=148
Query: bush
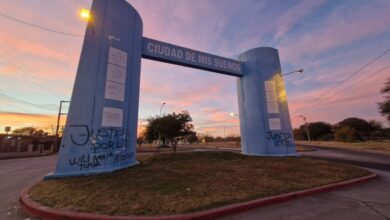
x=347, y=134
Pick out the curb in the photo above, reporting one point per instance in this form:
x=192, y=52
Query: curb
x=36, y=210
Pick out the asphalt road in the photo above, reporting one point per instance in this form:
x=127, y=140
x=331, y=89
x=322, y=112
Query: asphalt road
x=366, y=201
x=372, y=160
x=16, y=174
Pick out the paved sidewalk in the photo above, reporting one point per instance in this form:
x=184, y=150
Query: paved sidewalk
x=15, y=174
x=366, y=201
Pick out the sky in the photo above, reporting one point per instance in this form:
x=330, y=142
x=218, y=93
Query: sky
x=331, y=40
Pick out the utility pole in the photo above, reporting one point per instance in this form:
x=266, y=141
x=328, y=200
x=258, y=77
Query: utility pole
x=59, y=116
x=306, y=128
x=159, y=135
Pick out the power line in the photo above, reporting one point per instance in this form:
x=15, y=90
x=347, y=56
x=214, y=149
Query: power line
x=19, y=65
x=25, y=102
x=28, y=77
x=7, y=103
x=317, y=99
x=348, y=99
x=354, y=84
x=40, y=27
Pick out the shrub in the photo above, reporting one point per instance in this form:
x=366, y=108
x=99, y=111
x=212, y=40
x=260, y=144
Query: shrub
x=347, y=134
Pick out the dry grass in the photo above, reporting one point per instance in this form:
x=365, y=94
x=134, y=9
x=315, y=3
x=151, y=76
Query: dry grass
x=368, y=145
x=210, y=145
x=187, y=182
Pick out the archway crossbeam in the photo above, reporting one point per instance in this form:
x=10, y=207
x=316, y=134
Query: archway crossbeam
x=170, y=53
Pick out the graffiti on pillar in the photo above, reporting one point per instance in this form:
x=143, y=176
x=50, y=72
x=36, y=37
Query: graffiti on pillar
x=280, y=139
x=104, y=143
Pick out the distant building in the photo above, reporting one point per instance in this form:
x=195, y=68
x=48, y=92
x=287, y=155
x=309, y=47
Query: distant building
x=20, y=146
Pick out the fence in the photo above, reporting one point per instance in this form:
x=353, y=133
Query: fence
x=21, y=146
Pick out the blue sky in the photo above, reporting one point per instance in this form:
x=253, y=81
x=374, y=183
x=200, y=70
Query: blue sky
x=330, y=39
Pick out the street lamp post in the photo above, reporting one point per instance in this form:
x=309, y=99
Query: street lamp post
x=295, y=71
x=159, y=135
x=162, y=106
x=306, y=128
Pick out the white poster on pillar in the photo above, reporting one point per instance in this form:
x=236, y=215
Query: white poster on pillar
x=112, y=117
x=272, y=107
x=114, y=91
x=271, y=96
x=116, y=74
x=117, y=57
x=274, y=124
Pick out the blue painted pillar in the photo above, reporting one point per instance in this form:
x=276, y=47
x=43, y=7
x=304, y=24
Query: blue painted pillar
x=101, y=127
x=264, y=117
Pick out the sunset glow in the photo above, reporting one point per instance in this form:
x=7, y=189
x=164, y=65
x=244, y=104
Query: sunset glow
x=85, y=14
x=40, y=45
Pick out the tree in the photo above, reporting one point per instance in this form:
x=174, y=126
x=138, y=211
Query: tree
x=152, y=129
x=361, y=126
x=192, y=138
x=170, y=128
x=346, y=134
x=298, y=134
x=208, y=138
x=28, y=131
x=377, y=132
x=140, y=140
x=318, y=131
x=384, y=107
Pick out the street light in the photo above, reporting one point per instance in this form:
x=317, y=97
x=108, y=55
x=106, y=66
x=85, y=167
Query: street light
x=84, y=13
x=307, y=130
x=295, y=71
x=162, y=106
x=159, y=135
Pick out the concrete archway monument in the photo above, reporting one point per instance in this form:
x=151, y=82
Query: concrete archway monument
x=101, y=127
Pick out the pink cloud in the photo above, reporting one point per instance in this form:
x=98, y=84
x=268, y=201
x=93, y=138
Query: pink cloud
x=19, y=45
x=7, y=70
x=288, y=19
x=358, y=101
x=343, y=26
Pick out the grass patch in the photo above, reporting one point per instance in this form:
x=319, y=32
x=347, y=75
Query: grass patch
x=185, y=182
